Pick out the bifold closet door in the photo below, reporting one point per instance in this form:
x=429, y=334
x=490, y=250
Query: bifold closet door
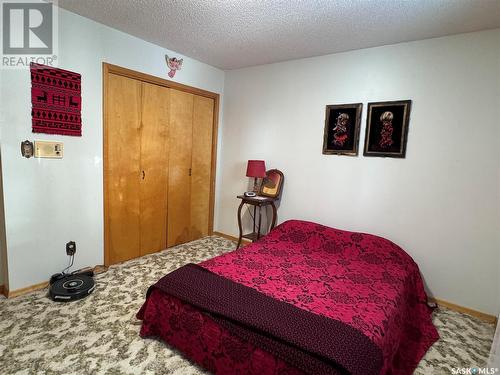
x=179, y=179
x=154, y=167
x=158, y=167
x=123, y=139
x=203, y=118
x=190, y=167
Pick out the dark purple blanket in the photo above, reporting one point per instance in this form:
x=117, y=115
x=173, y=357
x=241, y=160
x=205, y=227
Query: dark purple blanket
x=313, y=343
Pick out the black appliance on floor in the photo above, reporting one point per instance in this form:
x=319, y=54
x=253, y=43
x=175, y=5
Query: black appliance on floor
x=65, y=287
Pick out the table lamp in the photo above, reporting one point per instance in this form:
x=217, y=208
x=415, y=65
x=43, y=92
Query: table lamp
x=256, y=169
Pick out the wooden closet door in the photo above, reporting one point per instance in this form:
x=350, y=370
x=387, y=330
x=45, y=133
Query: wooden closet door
x=123, y=168
x=203, y=117
x=154, y=167
x=179, y=186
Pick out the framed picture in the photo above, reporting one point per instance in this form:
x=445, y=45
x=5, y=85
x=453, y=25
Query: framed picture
x=341, y=134
x=272, y=184
x=387, y=129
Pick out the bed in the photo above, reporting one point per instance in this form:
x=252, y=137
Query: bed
x=361, y=296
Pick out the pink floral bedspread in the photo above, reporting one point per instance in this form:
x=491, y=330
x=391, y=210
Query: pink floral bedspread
x=363, y=280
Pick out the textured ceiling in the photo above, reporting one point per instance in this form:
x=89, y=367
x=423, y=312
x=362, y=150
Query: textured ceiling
x=232, y=34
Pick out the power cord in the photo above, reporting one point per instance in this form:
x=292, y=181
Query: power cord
x=72, y=258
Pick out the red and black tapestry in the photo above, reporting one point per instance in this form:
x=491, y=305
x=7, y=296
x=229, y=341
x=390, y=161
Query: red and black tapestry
x=56, y=101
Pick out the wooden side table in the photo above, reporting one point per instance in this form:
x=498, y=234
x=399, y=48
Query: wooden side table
x=259, y=202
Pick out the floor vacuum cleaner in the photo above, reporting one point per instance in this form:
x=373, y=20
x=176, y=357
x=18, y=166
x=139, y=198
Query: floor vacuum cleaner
x=66, y=287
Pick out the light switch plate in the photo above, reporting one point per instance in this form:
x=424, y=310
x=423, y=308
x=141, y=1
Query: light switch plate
x=46, y=149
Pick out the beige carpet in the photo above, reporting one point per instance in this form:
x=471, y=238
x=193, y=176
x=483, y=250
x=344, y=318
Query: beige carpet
x=100, y=335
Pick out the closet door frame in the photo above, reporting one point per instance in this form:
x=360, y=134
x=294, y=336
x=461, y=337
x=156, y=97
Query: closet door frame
x=108, y=69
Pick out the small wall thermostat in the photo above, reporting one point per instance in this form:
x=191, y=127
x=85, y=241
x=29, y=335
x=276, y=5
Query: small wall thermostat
x=27, y=149
x=46, y=149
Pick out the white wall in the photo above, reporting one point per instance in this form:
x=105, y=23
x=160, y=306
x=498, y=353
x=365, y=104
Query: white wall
x=441, y=203
x=50, y=202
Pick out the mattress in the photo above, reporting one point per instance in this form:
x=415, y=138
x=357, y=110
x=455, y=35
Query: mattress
x=362, y=280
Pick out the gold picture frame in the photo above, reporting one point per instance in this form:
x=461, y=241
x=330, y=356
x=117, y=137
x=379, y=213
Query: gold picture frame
x=342, y=124
x=387, y=129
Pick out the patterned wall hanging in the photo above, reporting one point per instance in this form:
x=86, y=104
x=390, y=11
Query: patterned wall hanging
x=56, y=101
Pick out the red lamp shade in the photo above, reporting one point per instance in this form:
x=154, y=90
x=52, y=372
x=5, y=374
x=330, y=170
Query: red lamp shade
x=256, y=168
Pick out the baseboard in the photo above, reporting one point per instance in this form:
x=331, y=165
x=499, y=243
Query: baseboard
x=28, y=289
x=231, y=238
x=478, y=314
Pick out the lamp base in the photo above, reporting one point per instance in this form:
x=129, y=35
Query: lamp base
x=255, y=186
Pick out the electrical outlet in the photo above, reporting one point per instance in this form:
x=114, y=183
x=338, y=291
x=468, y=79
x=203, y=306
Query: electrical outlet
x=71, y=248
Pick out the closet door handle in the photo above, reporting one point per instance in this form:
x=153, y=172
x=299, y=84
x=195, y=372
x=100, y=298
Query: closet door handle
x=143, y=175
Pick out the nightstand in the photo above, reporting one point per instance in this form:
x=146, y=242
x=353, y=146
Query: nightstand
x=259, y=202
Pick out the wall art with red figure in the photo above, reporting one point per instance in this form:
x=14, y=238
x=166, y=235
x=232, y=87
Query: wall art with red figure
x=387, y=128
x=341, y=135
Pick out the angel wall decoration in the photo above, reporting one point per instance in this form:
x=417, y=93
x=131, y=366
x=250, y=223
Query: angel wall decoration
x=174, y=65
